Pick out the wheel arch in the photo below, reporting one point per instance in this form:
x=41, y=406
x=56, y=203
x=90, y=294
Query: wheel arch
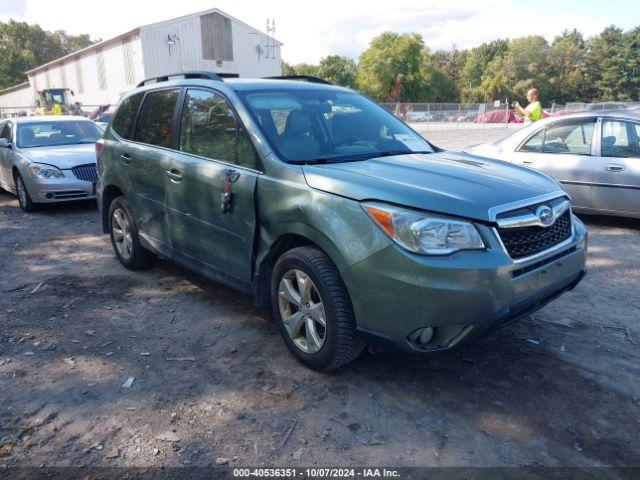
x=283, y=243
x=108, y=194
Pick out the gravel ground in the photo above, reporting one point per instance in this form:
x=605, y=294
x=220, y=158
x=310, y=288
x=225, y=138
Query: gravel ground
x=211, y=381
x=456, y=137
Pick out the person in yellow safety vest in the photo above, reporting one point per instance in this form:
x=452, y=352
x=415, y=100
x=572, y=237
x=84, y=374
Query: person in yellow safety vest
x=57, y=109
x=533, y=111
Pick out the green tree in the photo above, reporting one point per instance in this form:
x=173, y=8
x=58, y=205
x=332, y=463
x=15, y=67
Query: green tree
x=475, y=66
x=389, y=55
x=438, y=84
x=613, y=64
x=305, y=69
x=568, y=76
x=524, y=66
x=451, y=63
x=287, y=69
x=24, y=46
x=338, y=70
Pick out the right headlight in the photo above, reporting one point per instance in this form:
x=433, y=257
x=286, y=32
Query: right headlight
x=424, y=233
x=42, y=170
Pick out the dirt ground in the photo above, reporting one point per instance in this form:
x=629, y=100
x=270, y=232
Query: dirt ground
x=213, y=382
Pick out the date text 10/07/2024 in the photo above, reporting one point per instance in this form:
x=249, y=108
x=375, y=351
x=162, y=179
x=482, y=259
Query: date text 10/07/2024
x=315, y=473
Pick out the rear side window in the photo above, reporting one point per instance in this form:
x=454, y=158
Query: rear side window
x=156, y=115
x=620, y=139
x=123, y=121
x=5, y=131
x=209, y=128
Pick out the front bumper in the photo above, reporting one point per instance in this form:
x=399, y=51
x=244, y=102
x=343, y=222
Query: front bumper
x=55, y=190
x=463, y=296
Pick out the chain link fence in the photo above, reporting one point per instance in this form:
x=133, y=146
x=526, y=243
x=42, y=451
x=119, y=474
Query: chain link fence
x=462, y=114
x=477, y=115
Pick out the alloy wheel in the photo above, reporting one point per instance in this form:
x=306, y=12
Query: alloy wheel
x=302, y=311
x=22, y=192
x=122, y=236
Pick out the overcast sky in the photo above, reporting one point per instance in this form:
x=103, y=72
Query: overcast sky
x=311, y=30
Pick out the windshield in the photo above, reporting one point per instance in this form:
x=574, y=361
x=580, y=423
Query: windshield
x=49, y=134
x=304, y=125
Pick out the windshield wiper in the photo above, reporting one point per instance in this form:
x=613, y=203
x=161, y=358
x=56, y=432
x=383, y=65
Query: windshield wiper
x=357, y=157
x=402, y=152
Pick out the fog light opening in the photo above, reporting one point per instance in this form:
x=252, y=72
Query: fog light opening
x=422, y=336
x=49, y=195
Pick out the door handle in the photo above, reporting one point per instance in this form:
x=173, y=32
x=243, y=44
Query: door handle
x=126, y=158
x=614, y=167
x=226, y=197
x=174, y=175
x=528, y=160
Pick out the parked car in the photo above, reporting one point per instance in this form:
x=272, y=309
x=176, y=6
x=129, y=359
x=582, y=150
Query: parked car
x=499, y=116
x=595, y=156
x=103, y=120
x=319, y=202
x=48, y=159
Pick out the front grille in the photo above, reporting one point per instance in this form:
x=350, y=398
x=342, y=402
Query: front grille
x=87, y=172
x=534, y=266
x=526, y=241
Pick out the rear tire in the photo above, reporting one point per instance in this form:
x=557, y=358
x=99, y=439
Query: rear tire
x=313, y=310
x=125, y=239
x=24, y=199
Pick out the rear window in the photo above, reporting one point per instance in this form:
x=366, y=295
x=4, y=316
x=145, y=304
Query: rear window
x=156, y=115
x=125, y=116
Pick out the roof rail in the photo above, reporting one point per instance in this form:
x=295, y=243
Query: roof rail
x=199, y=74
x=308, y=78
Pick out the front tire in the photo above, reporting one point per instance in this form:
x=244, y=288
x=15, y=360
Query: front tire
x=313, y=310
x=24, y=199
x=124, y=237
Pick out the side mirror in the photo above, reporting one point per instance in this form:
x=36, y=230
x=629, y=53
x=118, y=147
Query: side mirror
x=4, y=143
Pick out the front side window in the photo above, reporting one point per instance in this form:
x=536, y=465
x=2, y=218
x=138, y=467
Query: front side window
x=210, y=128
x=125, y=116
x=308, y=124
x=534, y=144
x=51, y=134
x=620, y=139
x=565, y=138
x=573, y=138
x=156, y=115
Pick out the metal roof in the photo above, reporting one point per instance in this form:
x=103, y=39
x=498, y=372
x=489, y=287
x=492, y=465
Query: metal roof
x=77, y=53
x=136, y=31
x=15, y=87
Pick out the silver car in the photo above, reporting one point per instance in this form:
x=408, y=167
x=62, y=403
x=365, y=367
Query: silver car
x=594, y=155
x=48, y=159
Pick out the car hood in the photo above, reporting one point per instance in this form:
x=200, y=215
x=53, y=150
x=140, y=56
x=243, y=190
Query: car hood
x=490, y=150
x=62, y=156
x=446, y=182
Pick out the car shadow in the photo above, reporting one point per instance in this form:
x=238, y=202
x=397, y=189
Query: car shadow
x=610, y=221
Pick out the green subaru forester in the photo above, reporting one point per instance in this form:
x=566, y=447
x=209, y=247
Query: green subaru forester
x=320, y=203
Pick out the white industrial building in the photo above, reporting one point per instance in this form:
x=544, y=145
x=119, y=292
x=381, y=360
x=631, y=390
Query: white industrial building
x=211, y=40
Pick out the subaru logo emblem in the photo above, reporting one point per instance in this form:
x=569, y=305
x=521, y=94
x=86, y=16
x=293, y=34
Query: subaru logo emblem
x=545, y=215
